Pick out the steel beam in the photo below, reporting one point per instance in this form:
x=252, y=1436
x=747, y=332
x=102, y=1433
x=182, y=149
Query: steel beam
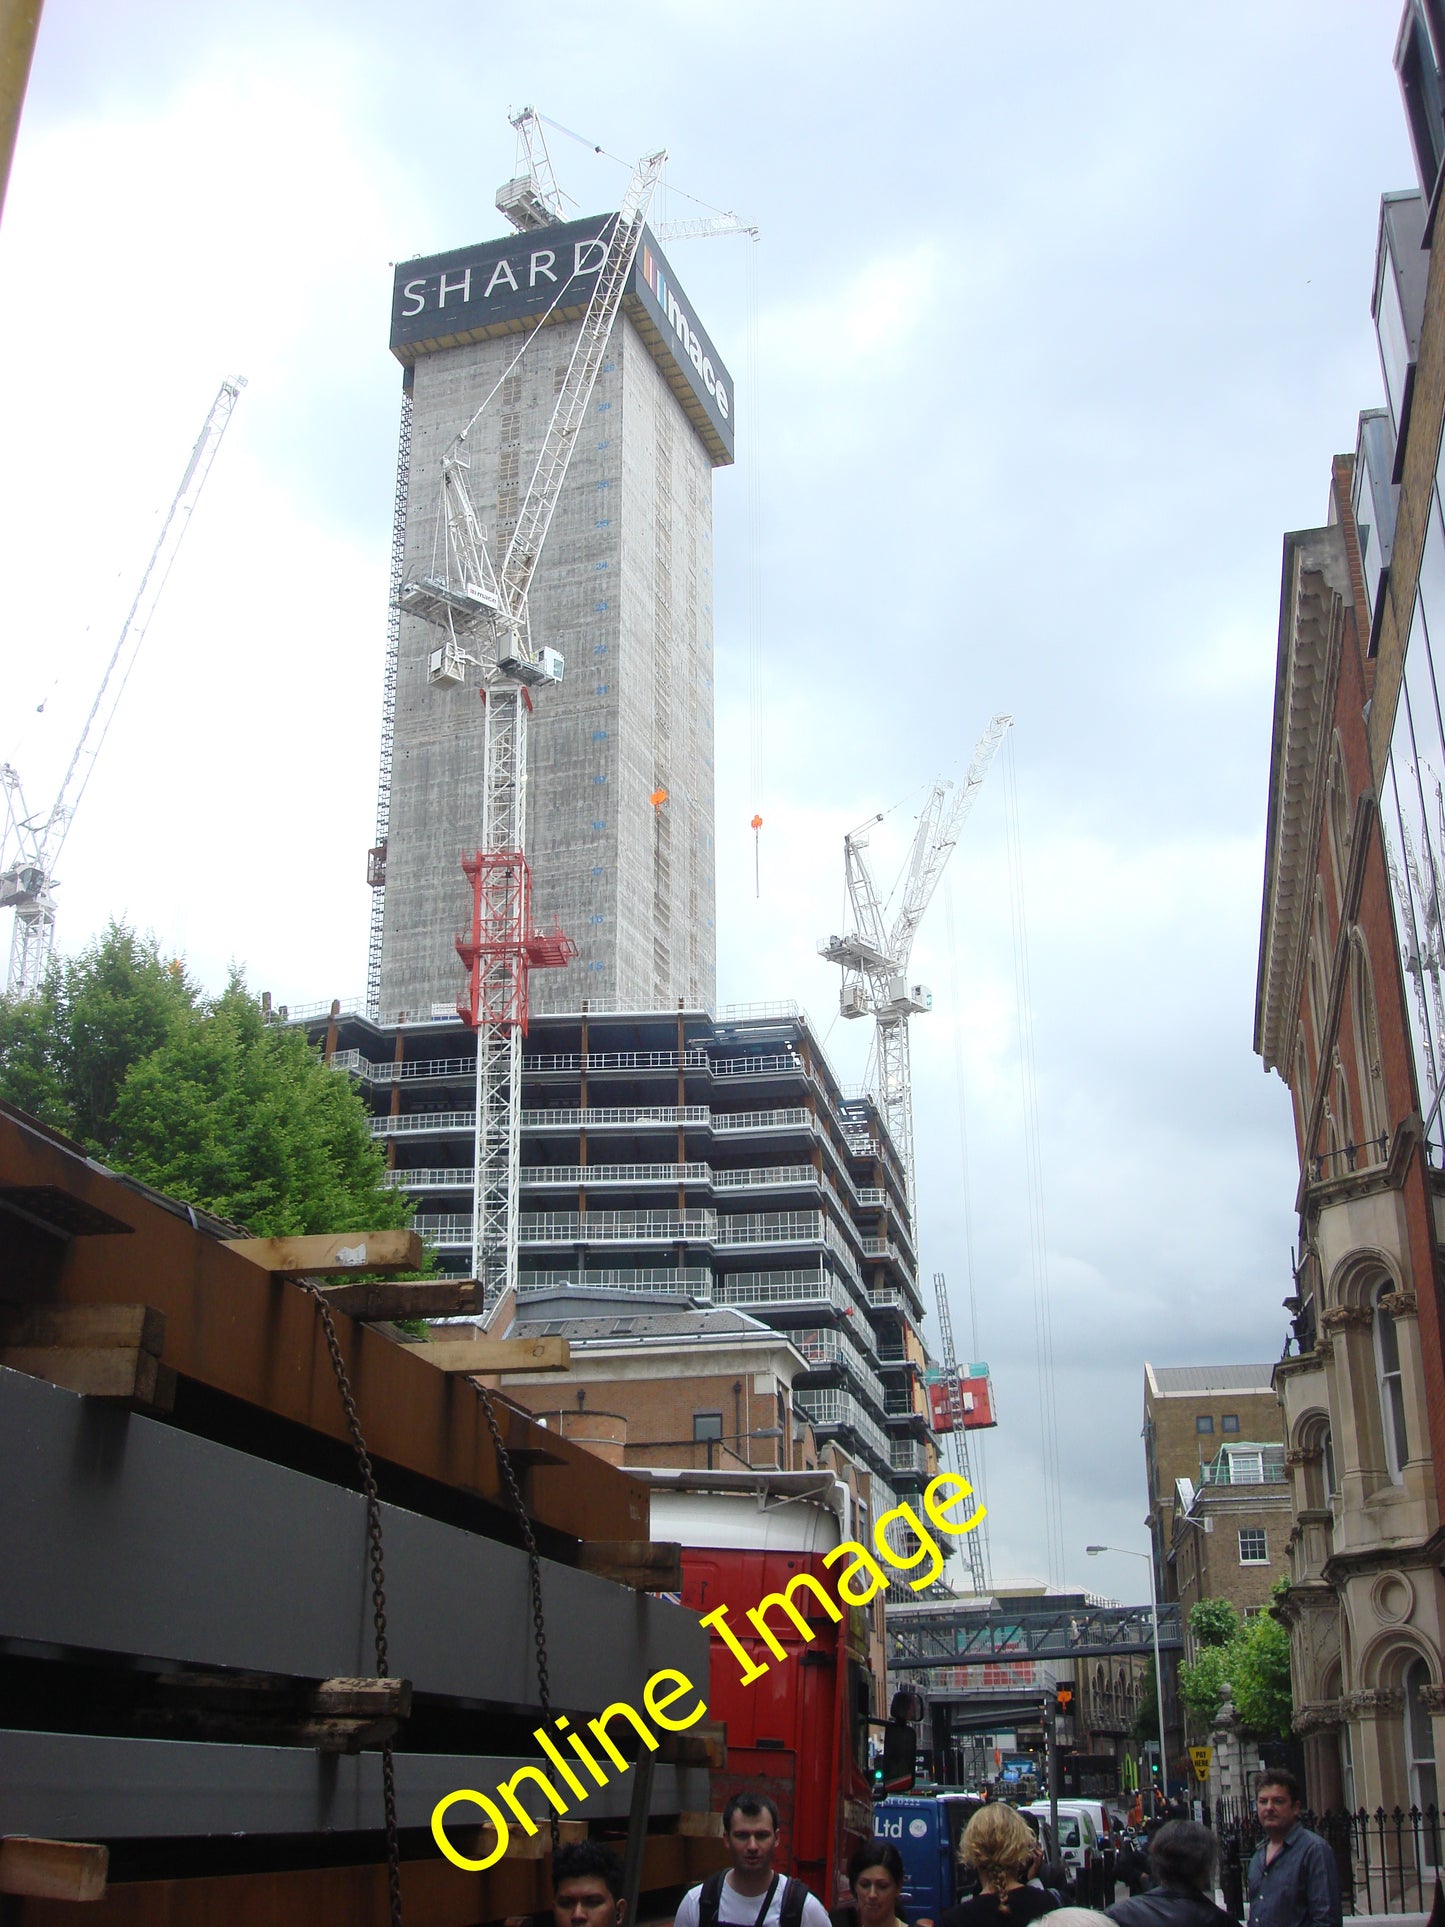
x=125, y=1535
x=83, y=1787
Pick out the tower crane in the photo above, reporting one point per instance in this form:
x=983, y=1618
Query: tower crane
x=31, y=845
x=975, y=1546
x=875, y=961
x=469, y=600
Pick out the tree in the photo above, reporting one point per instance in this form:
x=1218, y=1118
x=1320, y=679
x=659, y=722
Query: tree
x=241, y=1115
x=207, y=1101
x=65, y=1053
x=1252, y=1656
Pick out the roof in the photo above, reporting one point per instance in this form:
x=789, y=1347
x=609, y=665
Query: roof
x=1174, y=1381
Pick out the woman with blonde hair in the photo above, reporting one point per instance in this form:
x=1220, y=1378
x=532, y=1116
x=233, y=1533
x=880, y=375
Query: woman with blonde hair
x=999, y=1845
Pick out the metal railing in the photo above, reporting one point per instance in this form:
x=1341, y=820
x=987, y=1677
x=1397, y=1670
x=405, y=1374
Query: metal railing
x=786, y=1119
x=572, y=1175
x=782, y=1288
x=421, y=1123
x=826, y=1409
x=907, y=1455
x=441, y=1177
x=616, y=1060
x=692, y=1281
x=598, y=1117
x=1387, y=1862
x=616, y=1227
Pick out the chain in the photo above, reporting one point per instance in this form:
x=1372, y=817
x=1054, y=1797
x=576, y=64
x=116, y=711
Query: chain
x=534, y=1564
x=378, y=1589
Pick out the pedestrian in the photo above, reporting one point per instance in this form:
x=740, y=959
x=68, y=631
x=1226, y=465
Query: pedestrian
x=750, y=1893
x=1181, y=1861
x=875, y=1874
x=587, y=1886
x=1293, y=1879
x=998, y=1844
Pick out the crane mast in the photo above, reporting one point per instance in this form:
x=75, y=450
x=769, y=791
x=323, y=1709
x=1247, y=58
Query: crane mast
x=875, y=962
x=32, y=844
x=974, y=1545
x=467, y=597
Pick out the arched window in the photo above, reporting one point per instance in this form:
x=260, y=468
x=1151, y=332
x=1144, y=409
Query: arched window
x=1374, y=1108
x=1327, y=1464
x=1347, y=1766
x=1391, y=1386
x=1301, y=1092
x=1419, y=1738
x=1344, y=1120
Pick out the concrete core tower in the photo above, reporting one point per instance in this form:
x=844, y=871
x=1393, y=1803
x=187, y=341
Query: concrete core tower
x=623, y=589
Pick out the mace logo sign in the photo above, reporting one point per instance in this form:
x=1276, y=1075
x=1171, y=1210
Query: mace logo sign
x=525, y=280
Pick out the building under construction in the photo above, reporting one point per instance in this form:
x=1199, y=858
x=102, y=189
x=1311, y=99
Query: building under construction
x=620, y=763
x=677, y=1157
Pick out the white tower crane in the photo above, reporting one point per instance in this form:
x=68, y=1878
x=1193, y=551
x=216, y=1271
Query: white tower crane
x=975, y=1545
x=467, y=598
x=875, y=961
x=532, y=198
x=31, y=845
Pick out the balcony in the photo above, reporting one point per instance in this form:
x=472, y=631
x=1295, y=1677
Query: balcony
x=1246, y=1465
x=908, y=1455
x=782, y=1288
x=692, y=1281
x=537, y=1228
x=828, y=1410
x=612, y=1117
x=595, y=1176
x=426, y=1124
x=454, y=1177
x=791, y=1117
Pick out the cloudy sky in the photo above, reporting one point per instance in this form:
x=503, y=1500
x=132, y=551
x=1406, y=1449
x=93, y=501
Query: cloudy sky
x=1060, y=315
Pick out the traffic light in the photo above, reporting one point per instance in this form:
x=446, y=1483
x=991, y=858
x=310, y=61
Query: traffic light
x=1063, y=1698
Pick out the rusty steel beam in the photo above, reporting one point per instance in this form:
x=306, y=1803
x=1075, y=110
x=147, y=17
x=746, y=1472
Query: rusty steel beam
x=232, y=1327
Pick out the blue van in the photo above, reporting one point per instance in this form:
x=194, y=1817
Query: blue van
x=926, y=1829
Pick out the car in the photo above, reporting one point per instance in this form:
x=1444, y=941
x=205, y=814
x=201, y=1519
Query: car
x=1079, y=1850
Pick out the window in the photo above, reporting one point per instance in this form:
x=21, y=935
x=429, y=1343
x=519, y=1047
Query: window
x=1419, y=1739
x=706, y=1425
x=1415, y=66
x=1230, y=1422
x=1204, y=1423
x=1391, y=1387
x=1253, y=1546
x=1245, y=1467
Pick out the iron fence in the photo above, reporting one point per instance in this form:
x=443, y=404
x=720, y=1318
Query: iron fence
x=1388, y=1862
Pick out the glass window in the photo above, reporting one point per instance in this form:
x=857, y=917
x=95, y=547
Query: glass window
x=706, y=1425
x=1419, y=1740
x=1204, y=1423
x=1246, y=1468
x=1393, y=339
x=1230, y=1422
x=1329, y=1464
x=1392, y=1389
x=1253, y=1546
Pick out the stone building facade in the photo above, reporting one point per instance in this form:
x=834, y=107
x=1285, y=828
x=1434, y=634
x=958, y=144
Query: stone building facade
x=1348, y=997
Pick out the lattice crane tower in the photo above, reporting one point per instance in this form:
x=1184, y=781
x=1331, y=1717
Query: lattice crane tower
x=32, y=844
x=875, y=961
x=975, y=1545
x=469, y=600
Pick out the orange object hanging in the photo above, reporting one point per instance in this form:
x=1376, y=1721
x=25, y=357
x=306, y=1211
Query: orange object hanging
x=657, y=799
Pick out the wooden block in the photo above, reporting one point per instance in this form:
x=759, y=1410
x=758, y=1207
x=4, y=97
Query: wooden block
x=327, y=1256
x=85, y=1327
x=345, y=1736
x=498, y=1355
x=112, y=1372
x=649, y=1565
x=362, y=1699
x=569, y=1832
x=52, y=1869
x=699, y=1746
x=700, y=1826
x=375, y=1300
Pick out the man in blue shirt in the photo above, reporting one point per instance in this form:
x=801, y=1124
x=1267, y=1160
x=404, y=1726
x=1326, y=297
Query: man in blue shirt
x=1293, y=1879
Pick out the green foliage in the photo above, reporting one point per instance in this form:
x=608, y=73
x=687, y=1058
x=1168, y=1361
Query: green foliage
x=204, y=1100
x=1146, y=1721
x=65, y=1054
x=1213, y=1622
x=1253, y=1658
x=1260, y=1657
x=1201, y=1686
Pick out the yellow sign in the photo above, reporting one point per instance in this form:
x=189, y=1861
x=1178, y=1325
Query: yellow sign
x=1201, y=1756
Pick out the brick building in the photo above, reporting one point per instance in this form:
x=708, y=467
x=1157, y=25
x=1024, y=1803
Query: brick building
x=1190, y=1412
x=1349, y=1011
x=1232, y=1529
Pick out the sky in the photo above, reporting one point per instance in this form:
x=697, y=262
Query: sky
x=1059, y=316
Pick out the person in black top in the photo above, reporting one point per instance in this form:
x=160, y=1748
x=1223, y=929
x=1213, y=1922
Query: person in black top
x=1181, y=1861
x=999, y=1846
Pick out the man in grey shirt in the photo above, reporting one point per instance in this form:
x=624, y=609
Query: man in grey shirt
x=1293, y=1879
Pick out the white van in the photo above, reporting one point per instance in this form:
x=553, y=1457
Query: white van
x=1079, y=1847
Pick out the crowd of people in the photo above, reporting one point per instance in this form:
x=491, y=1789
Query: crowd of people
x=1293, y=1880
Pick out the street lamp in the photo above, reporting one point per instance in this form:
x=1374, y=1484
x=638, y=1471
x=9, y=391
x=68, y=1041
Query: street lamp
x=1093, y=1552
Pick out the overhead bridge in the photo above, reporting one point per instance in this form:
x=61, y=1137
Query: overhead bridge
x=920, y=1637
